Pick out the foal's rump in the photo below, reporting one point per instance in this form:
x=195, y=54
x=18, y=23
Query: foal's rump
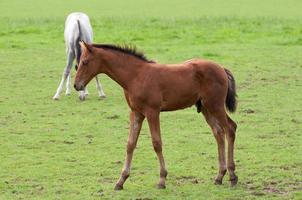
x=216, y=82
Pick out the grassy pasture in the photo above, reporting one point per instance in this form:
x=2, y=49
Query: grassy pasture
x=68, y=149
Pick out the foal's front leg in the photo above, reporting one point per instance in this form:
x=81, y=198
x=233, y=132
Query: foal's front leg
x=136, y=120
x=154, y=125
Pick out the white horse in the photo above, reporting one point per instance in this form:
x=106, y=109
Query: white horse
x=77, y=27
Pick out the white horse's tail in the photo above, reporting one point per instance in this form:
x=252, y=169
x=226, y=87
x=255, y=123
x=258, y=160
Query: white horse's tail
x=77, y=45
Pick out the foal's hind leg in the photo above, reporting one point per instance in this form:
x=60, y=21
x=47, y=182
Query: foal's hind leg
x=70, y=58
x=217, y=121
x=231, y=139
x=136, y=120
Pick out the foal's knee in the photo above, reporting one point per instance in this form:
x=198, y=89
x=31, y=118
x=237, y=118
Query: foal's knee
x=125, y=174
x=157, y=146
x=130, y=147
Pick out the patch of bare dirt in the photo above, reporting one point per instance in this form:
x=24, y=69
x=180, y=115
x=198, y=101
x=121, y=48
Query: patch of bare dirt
x=113, y=117
x=188, y=179
x=248, y=111
x=67, y=142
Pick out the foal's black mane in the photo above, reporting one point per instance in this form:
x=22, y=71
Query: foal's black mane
x=130, y=50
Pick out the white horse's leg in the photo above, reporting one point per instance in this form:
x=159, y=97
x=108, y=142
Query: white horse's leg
x=86, y=91
x=68, y=84
x=99, y=88
x=66, y=72
x=82, y=95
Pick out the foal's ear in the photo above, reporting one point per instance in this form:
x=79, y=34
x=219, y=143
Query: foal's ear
x=85, y=46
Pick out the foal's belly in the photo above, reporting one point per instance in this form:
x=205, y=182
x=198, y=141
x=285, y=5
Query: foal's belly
x=176, y=101
x=178, y=87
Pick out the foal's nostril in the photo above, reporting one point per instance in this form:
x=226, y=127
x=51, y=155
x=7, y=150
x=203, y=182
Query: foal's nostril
x=78, y=87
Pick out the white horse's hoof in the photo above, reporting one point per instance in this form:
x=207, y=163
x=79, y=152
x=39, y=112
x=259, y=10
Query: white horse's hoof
x=82, y=98
x=67, y=93
x=55, y=97
x=102, y=96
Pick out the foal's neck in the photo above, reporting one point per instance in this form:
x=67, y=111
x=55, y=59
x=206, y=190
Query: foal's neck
x=122, y=68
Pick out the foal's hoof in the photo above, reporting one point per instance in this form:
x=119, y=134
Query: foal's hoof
x=118, y=187
x=218, y=182
x=55, y=98
x=234, y=181
x=161, y=186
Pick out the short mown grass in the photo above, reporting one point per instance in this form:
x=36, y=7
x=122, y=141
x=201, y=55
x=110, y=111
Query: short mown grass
x=69, y=149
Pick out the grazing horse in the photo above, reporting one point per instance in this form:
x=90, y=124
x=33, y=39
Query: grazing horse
x=77, y=27
x=151, y=88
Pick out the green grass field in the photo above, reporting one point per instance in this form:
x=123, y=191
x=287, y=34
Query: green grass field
x=69, y=149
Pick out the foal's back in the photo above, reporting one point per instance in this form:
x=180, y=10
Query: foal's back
x=193, y=71
x=179, y=86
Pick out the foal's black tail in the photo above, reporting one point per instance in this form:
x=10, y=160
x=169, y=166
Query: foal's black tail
x=231, y=102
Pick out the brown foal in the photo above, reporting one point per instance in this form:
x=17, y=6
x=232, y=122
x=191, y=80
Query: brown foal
x=151, y=87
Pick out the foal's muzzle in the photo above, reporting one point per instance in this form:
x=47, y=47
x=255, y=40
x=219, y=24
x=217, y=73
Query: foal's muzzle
x=78, y=87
